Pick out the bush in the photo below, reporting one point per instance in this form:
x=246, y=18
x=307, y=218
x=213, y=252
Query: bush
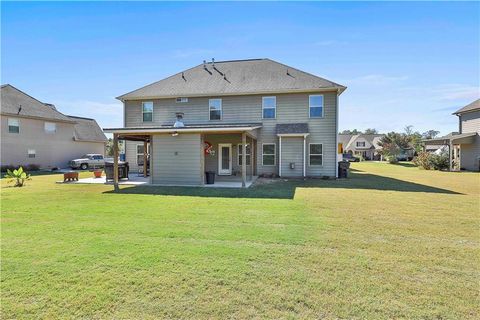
x=439, y=162
x=18, y=176
x=32, y=167
x=429, y=161
x=423, y=160
x=6, y=167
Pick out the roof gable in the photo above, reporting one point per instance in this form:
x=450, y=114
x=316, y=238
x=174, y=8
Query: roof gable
x=475, y=105
x=87, y=129
x=233, y=77
x=17, y=102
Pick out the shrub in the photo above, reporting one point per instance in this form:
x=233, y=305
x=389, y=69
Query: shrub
x=18, y=176
x=423, y=160
x=32, y=167
x=439, y=162
x=6, y=167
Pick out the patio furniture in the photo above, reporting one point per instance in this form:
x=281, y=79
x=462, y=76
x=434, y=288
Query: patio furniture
x=123, y=170
x=70, y=176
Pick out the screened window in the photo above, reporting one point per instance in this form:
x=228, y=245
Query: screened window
x=360, y=144
x=316, y=154
x=269, y=107
x=13, y=125
x=268, y=154
x=316, y=106
x=50, y=127
x=215, y=107
x=140, y=154
x=248, y=154
x=147, y=111
x=31, y=153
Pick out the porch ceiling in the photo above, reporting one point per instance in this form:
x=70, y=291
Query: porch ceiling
x=132, y=132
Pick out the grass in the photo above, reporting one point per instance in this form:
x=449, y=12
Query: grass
x=390, y=242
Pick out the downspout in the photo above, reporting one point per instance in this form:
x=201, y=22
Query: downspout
x=280, y=156
x=304, y=156
x=336, y=135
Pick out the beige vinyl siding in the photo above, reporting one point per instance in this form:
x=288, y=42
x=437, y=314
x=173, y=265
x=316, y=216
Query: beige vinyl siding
x=470, y=122
x=291, y=108
x=51, y=149
x=177, y=160
x=470, y=155
x=292, y=152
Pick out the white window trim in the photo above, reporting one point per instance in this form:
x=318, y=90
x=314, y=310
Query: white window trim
x=18, y=125
x=275, y=108
x=54, y=126
x=323, y=106
x=29, y=153
x=138, y=154
x=210, y=109
x=239, y=153
x=314, y=154
x=143, y=111
x=270, y=154
x=364, y=144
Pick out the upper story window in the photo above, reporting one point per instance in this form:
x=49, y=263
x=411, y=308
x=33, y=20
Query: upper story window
x=50, y=127
x=315, y=103
x=269, y=107
x=316, y=154
x=147, y=111
x=361, y=144
x=215, y=107
x=240, y=152
x=13, y=125
x=181, y=100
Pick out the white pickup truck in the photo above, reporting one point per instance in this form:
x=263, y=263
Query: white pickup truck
x=89, y=161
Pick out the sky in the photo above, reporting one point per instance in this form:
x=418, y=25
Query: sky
x=411, y=63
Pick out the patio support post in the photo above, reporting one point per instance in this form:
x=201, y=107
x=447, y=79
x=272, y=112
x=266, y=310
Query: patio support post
x=115, y=161
x=450, y=156
x=145, y=158
x=244, y=160
x=252, y=156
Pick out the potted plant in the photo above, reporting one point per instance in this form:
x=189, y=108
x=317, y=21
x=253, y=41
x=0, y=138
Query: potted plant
x=97, y=173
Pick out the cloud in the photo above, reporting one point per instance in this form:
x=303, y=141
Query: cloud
x=451, y=92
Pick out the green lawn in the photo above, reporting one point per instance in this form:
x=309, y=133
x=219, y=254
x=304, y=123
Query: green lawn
x=390, y=242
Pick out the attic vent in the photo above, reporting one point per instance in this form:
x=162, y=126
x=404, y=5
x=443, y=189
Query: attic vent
x=182, y=100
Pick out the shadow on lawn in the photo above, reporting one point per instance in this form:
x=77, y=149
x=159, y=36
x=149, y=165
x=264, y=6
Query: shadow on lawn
x=285, y=189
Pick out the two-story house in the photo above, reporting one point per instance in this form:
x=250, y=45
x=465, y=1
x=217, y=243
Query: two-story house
x=464, y=145
x=363, y=145
x=33, y=132
x=236, y=118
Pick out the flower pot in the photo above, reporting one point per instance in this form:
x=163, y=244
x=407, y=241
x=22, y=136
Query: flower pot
x=97, y=173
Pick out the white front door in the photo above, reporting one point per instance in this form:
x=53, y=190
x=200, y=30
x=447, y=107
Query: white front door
x=225, y=159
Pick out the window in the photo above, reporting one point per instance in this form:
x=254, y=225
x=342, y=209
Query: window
x=315, y=104
x=182, y=100
x=140, y=154
x=316, y=154
x=215, y=107
x=97, y=157
x=31, y=153
x=268, y=154
x=147, y=111
x=13, y=125
x=240, y=151
x=50, y=127
x=361, y=144
x=269, y=107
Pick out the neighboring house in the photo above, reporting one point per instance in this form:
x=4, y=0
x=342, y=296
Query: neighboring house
x=362, y=145
x=283, y=121
x=34, y=132
x=464, y=147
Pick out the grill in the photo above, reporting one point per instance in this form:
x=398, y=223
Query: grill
x=123, y=169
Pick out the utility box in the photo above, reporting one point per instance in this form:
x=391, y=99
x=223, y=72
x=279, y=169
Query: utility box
x=292, y=165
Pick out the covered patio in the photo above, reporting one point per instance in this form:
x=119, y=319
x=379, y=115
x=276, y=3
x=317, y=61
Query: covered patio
x=173, y=158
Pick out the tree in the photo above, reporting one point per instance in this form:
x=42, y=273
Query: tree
x=109, y=147
x=371, y=131
x=430, y=134
x=393, y=144
x=354, y=131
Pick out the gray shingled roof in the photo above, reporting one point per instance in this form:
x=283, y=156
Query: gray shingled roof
x=13, y=99
x=87, y=129
x=233, y=77
x=475, y=105
x=286, y=128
